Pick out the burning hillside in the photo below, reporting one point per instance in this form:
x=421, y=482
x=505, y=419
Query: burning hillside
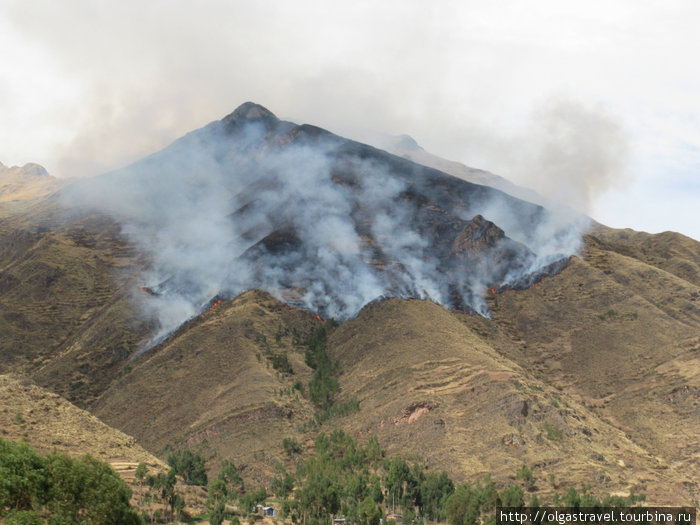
x=319, y=221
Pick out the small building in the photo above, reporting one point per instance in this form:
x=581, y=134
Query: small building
x=264, y=510
x=394, y=517
x=338, y=521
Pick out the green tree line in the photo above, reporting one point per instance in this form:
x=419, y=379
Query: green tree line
x=60, y=490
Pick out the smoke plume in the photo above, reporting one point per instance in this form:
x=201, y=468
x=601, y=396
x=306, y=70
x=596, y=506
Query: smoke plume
x=318, y=221
x=571, y=153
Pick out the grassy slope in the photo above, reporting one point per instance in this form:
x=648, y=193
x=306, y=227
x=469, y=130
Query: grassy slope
x=211, y=385
x=626, y=385
x=50, y=423
x=47, y=422
x=67, y=310
x=637, y=368
x=20, y=184
x=489, y=414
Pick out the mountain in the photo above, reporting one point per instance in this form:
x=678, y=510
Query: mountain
x=319, y=221
x=405, y=146
x=30, y=181
x=166, y=297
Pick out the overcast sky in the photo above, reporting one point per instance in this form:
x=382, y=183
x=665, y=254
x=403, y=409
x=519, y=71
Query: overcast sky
x=596, y=103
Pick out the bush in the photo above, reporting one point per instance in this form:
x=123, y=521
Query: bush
x=553, y=433
x=281, y=363
x=24, y=517
x=525, y=474
x=291, y=446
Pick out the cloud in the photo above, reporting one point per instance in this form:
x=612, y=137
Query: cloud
x=91, y=86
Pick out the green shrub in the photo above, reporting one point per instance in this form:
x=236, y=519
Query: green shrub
x=281, y=362
x=291, y=446
x=553, y=433
x=525, y=474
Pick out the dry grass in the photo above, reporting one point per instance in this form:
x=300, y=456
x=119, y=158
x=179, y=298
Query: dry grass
x=591, y=376
x=212, y=386
x=49, y=422
x=488, y=413
x=18, y=184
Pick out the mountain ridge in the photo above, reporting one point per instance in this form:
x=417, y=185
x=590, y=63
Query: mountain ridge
x=588, y=375
x=271, y=195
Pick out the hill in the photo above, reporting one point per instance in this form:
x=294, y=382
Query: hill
x=239, y=407
x=48, y=422
x=318, y=221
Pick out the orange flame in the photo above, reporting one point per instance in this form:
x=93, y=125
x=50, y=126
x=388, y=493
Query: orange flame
x=217, y=303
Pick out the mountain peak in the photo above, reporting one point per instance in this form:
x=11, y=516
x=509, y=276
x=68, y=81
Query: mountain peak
x=251, y=111
x=30, y=169
x=35, y=170
x=408, y=143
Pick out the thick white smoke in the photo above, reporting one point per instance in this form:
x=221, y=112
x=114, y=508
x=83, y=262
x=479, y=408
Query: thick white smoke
x=253, y=202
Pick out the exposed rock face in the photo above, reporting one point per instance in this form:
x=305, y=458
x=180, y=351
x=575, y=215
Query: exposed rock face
x=251, y=111
x=477, y=237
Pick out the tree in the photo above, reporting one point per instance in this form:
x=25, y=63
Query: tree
x=396, y=473
x=217, y=514
x=250, y=499
x=320, y=494
x=189, y=465
x=373, y=452
x=282, y=485
x=512, y=497
x=368, y=512
x=525, y=474
x=70, y=490
x=166, y=484
x=231, y=477
x=23, y=476
x=435, y=489
x=87, y=490
x=463, y=507
x=216, y=501
x=141, y=472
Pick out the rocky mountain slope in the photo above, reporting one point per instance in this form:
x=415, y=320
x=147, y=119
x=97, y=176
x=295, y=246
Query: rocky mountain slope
x=587, y=372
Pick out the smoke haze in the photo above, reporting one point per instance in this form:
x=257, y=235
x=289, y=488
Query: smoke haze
x=318, y=221
x=577, y=154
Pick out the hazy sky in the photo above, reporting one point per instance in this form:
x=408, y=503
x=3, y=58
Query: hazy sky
x=597, y=102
